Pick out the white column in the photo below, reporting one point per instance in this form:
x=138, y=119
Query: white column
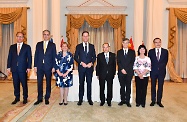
x=155, y=21
x=35, y=24
x=55, y=22
x=138, y=23
x=45, y=15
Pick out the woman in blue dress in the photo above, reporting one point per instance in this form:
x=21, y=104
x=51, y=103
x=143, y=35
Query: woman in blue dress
x=64, y=72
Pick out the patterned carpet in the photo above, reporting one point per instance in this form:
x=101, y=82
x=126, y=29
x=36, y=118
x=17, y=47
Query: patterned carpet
x=174, y=111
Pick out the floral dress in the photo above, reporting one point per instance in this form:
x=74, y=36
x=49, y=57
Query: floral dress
x=141, y=65
x=64, y=64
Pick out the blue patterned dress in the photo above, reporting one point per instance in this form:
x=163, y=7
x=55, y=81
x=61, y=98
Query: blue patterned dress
x=64, y=64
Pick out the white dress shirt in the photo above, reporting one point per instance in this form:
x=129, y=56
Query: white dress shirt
x=156, y=50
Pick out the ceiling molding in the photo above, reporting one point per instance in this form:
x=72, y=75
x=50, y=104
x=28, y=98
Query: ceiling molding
x=178, y=2
x=13, y=1
x=95, y=7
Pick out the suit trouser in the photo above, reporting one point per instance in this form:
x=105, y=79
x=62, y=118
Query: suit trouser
x=141, y=89
x=109, y=89
x=160, y=87
x=40, y=75
x=125, y=90
x=82, y=76
x=20, y=77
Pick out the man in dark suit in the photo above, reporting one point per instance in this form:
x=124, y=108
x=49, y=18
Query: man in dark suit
x=19, y=63
x=159, y=59
x=85, y=57
x=125, y=61
x=44, y=61
x=105, y=70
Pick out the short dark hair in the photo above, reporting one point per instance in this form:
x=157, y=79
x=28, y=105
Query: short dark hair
x=156, y=39
x=106, y=43
x=20, y=32
x=47, y=31
x=142, y=46
x=85, y=32
x=125, y=39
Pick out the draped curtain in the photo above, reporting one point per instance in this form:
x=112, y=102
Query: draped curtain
x=7, y=40
x=18, y=16
x=12, y=20
x=74, y=22
x=98, y=36
x=181, y=57
x=174, y=14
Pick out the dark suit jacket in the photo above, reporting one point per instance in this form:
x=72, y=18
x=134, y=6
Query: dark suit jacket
x=102, y=67
x=80, y=56
x=20, y=62
x=126, y=63
x=158, y=66
x=48, y=57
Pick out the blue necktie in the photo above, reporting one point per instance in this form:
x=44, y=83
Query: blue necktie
x=107, y=59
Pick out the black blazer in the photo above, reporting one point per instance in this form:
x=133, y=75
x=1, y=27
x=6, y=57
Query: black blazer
x=20, y=62
x=103, y=68
x=80, y=56
x=158, y=66
x=127, y=62
x=48, y=57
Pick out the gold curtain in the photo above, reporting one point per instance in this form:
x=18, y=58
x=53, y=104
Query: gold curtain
x=174, y=14
x=16, y=15
x=74, y=22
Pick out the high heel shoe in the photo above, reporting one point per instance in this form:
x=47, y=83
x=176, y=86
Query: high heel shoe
x=65, y=103
x=61, y=103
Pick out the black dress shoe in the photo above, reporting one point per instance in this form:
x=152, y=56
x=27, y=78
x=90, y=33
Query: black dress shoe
x=152, y=104
x=61, y=103
x=160, y=104
x=37, y=102
x=143, y=106
x=102, y=103
x=121, y=103
x=128, y=104
x=79, y=103
x=24, y=101
x=90, y=102
x=65, y=103
x=109, y=104
x=46, y=102
x=15, y=101
x=137, y=105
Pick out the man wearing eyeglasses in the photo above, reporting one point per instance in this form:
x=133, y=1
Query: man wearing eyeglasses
x=159, y=59
x=125, y=61
x=44, y=61
x=19, y=64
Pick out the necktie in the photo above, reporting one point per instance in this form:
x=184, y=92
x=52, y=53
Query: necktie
x=85, y=49
x=44, y=47
x=107, y=59
x=125, y=54
x=18, y=49
x=158, y=54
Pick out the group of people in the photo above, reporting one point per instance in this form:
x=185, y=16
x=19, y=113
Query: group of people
x=46, y=62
